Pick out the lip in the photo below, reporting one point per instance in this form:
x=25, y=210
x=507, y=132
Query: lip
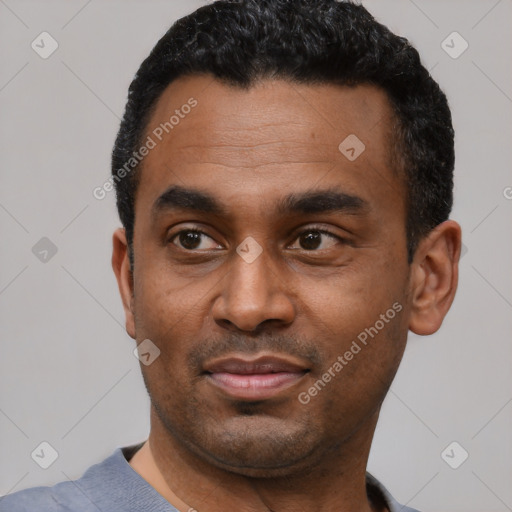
x=256, y=378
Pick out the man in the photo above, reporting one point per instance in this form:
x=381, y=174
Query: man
x=284, y=179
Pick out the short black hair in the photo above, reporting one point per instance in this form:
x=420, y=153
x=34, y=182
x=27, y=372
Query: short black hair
x=304, y=41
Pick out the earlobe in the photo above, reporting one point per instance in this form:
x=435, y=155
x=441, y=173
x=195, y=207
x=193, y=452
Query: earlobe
x=124, y=276
x=434, y=277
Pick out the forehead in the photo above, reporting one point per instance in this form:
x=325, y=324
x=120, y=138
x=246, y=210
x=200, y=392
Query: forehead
x=272, y=136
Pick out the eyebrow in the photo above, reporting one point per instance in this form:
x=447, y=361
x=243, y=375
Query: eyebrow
x=329, y=200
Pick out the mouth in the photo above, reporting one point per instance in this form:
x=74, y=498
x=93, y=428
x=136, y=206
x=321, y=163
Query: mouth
x=254, y=379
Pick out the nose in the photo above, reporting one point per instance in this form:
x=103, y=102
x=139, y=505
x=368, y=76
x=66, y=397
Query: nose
x=254, y=294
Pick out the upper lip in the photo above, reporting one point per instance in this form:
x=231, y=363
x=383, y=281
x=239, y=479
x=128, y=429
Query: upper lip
x=260, y=365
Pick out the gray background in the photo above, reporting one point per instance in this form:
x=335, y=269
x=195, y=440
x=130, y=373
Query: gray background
x=68, y=374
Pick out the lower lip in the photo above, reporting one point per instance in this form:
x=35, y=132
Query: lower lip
x=254, y=386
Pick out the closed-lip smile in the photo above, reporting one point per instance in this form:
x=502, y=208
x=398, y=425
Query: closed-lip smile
x=256, y=378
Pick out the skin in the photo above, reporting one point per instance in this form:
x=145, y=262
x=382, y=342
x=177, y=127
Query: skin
x=248, y=149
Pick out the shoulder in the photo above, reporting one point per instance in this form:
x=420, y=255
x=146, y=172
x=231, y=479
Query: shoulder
x=111, y=486
x=70, y=495
x=26, y=500
x=382, y=497
x=62, y=497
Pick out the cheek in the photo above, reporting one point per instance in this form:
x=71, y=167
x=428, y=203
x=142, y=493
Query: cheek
x=162, y=296
x=352, y=300
x=361, y=365
x=361, y=322
x=167, y=311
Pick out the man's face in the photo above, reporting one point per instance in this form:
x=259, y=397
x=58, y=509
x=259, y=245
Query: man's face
x=245, y=335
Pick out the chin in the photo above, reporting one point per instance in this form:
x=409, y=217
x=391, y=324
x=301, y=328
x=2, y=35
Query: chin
x=256, y=446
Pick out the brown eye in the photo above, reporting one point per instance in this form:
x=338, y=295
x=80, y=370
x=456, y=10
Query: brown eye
x=192, y=240
x=312, y=239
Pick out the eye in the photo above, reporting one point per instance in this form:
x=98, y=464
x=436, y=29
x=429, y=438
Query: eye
x=311, y=239
x=192, y=240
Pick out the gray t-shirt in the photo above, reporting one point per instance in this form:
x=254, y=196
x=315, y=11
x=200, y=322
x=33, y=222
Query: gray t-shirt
x=114, y=486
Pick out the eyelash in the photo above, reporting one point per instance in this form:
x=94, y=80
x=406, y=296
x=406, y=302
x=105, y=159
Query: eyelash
x=298, y=235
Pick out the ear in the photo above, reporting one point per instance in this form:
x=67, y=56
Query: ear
x=434, y=277
x=124, y=276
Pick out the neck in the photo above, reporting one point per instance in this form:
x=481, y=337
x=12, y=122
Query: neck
x=336, y=484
